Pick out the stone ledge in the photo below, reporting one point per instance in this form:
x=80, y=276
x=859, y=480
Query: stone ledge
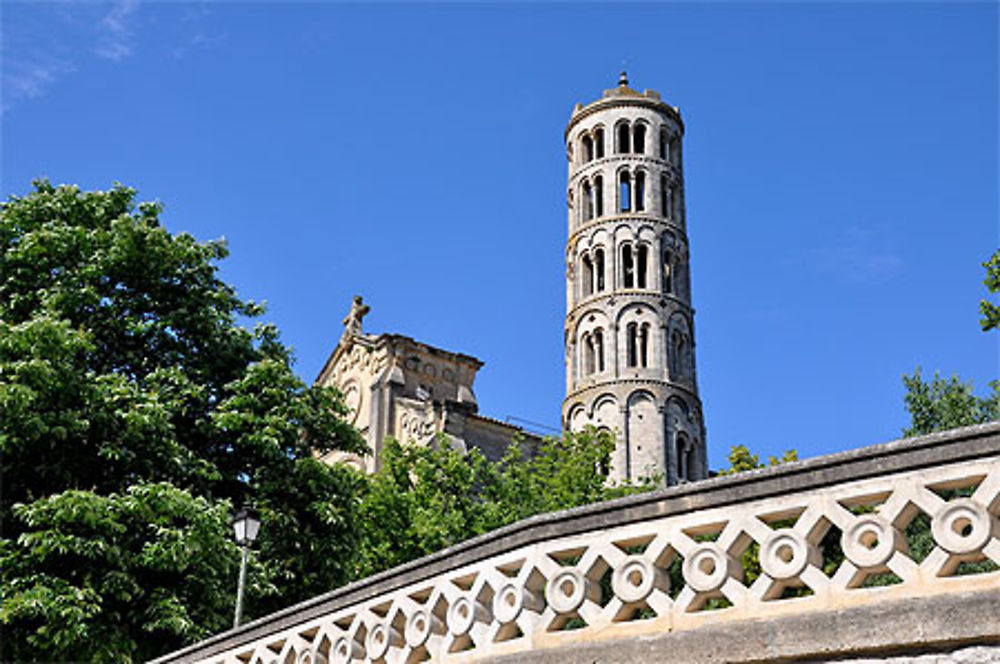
x=906, y=627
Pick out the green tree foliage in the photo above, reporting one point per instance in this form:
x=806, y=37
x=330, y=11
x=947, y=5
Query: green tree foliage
x=98, y=576
x=741, y=460
x=136, y=413
x=990, y=311
x=941, y=404
x=948, y=403
x=424, y=499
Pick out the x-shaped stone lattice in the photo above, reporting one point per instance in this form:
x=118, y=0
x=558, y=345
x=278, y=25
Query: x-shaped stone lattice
x=530, y=596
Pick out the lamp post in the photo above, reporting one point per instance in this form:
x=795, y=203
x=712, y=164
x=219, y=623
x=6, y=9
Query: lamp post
x=245, y=524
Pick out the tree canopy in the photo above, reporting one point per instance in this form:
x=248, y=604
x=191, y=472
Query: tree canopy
x=424, y=499
x=137, y=412
x=948, y=403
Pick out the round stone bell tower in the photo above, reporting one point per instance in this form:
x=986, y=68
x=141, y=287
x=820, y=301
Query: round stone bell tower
x=629, y=323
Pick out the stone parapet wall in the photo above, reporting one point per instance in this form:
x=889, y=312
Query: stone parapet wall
x=660, y=577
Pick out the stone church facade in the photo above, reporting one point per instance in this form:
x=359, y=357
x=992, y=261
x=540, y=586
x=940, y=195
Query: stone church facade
x=629, y=332
x=396, y=386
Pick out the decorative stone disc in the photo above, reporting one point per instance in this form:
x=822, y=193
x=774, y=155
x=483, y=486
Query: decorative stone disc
x=461, y=616
x=418, y=628
x=784, y=554
x=869, y=542
x=633, y=580
x=508, y=603
x=378, y=641
x=566, y=590
x=961, y=526
x=706, y=569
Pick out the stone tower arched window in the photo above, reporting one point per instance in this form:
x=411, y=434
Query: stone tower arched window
x=599, y=269
x=640, y=191
x=668, y=272
x=598, y=196
x=599, y=143
x=665, y=196
x=639, y=138
x=643, y=344
x=599, y=349
x=628, y=267
x=624, y=192
x=632, y=344
x=641, y=264
x=683, y=445
x=678, y=346
x=587, y=278
x=623, y=139
x=588, y=149
x=664, y=144
x=588, y=354
x=588, y=201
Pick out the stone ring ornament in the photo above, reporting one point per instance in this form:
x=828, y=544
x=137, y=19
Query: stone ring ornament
x=508, y=603
x=418, y=628
x=461, y=616
x=869, y=541
x=706, y=569
x=378, y=641
x=566, y=590
x=784, y=554
x=343, y=651
x=633, y=580
x=962, y=526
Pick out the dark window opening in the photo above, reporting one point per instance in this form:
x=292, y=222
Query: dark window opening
x=588, y=354
x=640, y=191
x=642, y=259
x=677, y=357
x=599, y=349
x=599, y=268
x=588, y=276
x=631, y=345
x=664, y=196
x=588, y=149
x=599, y=143
x=628, y=267
x=623, y=138
x=682, y=456
x=668, y=272
x=643, y=343
x=599, y=196
x=639, y=140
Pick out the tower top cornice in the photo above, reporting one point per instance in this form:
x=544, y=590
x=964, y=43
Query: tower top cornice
x=623, y=95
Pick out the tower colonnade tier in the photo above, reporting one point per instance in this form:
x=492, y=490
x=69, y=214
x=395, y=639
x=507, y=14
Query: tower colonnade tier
x=629, y=331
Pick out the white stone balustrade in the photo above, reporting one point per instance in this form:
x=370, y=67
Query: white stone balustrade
x=678, y=571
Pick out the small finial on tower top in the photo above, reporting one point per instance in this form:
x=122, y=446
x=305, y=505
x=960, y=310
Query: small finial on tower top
x=623, y=79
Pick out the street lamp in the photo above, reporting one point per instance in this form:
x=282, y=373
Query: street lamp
x=245, y=525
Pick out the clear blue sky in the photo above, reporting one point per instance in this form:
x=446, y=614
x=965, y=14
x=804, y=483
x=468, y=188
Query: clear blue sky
x=841, y=172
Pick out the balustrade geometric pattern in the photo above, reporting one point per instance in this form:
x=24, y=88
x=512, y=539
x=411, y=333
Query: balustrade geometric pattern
x=844, y=545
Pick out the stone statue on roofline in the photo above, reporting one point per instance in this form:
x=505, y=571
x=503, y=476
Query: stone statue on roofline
x=352, y=322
